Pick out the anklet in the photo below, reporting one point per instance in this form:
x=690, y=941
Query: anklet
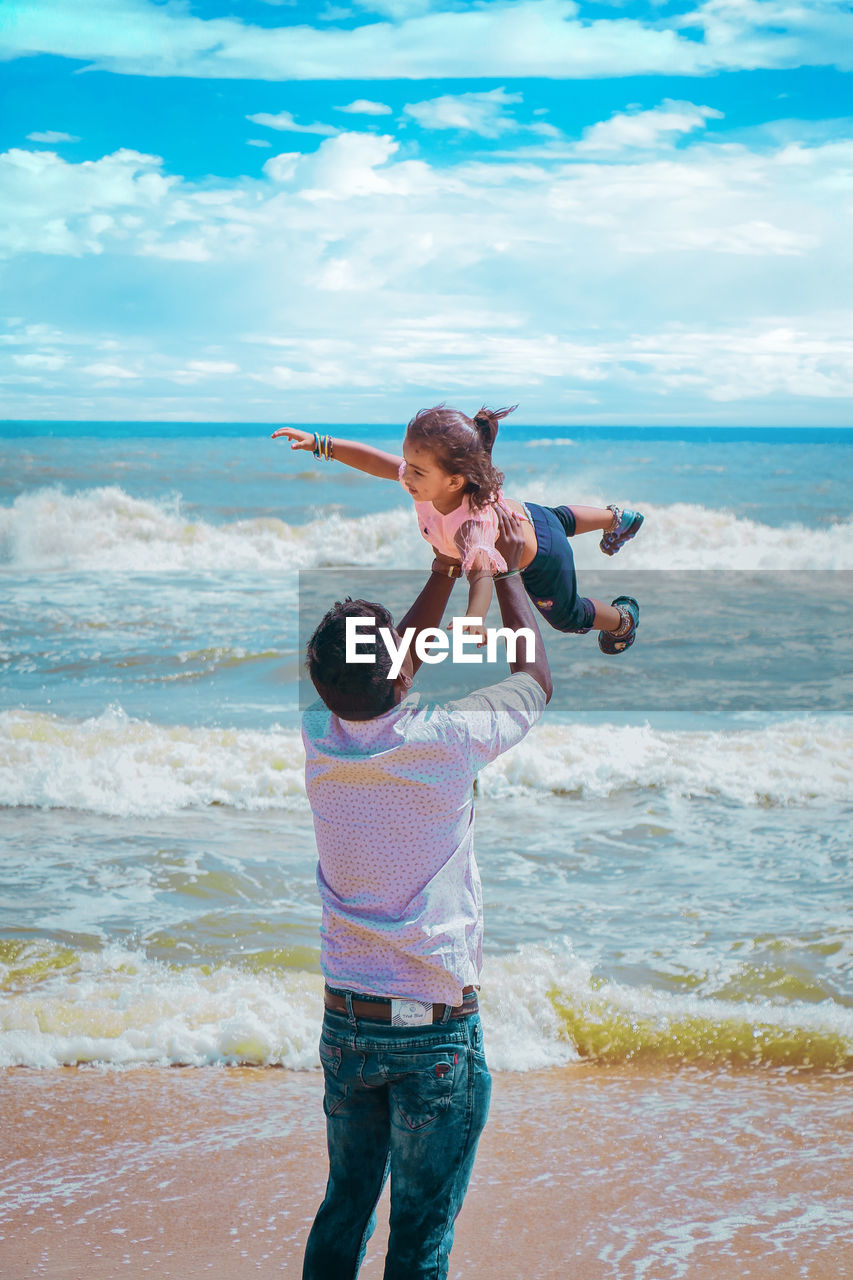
x=625, y=625
x=617, y=516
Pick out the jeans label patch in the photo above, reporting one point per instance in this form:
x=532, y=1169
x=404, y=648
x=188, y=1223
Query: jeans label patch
x=410, y=1013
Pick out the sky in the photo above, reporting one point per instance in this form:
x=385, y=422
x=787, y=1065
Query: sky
x=270, y=211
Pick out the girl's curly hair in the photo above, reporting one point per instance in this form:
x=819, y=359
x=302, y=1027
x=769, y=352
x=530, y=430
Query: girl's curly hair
x=462, y=446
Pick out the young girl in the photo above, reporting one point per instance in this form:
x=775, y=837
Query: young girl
x=447, y=469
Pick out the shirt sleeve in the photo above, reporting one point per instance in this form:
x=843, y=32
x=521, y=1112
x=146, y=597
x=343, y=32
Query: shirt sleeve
x=496, y=718
x=478, y=535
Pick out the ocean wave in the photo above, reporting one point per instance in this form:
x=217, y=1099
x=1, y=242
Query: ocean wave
x=107, y=529
x=116, y=765
x=541, y=1007
x=799, y=762
x=685, y=536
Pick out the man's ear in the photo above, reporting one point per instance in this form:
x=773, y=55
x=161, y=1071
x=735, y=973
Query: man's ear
x=403, y=682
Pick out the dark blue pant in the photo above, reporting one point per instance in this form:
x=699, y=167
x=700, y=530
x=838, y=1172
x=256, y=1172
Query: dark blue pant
x=550, y=579
x=409, y=1101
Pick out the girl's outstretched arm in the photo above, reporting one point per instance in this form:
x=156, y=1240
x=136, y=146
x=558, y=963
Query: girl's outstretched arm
x=351, y=452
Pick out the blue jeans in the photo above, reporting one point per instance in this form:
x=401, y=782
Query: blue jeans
x=409, y=1101
x=550, y=579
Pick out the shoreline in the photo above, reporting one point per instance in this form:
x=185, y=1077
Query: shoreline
x=610, y=1173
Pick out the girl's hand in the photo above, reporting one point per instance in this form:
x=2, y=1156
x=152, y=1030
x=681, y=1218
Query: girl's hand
x=298, y=439
x=471, y=630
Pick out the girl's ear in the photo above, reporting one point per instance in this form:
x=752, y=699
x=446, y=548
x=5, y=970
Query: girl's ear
x=456, y=481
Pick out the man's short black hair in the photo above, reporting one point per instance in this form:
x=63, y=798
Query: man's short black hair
x=355, y=690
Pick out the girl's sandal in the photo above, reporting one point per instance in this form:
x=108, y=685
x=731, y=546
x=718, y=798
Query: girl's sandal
x=611, y=642
x=626, y=525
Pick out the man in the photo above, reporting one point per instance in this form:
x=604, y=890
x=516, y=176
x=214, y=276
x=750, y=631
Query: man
x=390, y=782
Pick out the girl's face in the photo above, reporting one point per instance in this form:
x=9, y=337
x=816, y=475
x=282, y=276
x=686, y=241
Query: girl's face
x=426, y=481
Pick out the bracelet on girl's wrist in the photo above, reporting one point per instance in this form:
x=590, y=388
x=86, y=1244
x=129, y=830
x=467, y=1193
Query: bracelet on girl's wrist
x=510, y=573
x=323, y=447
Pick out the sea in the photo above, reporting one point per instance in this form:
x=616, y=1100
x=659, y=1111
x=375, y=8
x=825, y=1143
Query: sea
x=665, y=858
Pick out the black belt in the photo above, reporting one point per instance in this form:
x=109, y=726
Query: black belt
x=380, y=1010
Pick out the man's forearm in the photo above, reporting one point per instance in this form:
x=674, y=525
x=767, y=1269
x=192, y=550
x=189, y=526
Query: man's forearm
x=515, y=614
x=428, y=610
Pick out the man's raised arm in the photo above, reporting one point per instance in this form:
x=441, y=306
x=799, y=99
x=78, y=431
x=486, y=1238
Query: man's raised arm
x=514, y=604
x=428, y=610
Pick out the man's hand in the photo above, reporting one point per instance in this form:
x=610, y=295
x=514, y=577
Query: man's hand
x=298, y=439
x=510, y=540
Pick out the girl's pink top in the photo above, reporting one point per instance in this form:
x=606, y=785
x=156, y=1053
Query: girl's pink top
x=440, y=531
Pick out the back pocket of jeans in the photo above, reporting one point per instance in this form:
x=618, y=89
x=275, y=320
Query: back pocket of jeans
x=422, y=1095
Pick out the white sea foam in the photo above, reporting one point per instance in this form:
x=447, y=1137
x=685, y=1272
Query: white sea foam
x=684, y=536
x=107, y=529
x=540, y=1007
x=117, y=765
x=118, y=1007
x=799, y=762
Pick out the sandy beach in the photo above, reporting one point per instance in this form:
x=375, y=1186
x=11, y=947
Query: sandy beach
x=591, y=1172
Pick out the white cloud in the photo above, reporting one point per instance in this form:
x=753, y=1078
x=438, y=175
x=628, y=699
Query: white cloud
x=213, y=366
x=282, y=168
x=104, y=369
x=482, y=113
x=197, y=371
x=122, y=203
x=258, y=142
x=285, y=123
x=40, y=360
x=351, y=164
x=51, y=135
x=646, y=129
x=770, y=357
x=746, y=239
x=697, y=278
x=50, y=205
x=501, y=38
x=398, y=9
x=364, y=107
x=187, y=249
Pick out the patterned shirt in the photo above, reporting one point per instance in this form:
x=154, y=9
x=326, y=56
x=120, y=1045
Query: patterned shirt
x=392, y=799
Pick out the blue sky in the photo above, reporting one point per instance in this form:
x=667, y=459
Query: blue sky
x=289, y=212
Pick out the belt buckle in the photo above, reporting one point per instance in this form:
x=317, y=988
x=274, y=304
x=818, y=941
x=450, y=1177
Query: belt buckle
x=410, y=1013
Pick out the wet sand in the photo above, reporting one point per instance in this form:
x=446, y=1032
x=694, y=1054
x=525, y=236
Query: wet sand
x=586, y=1172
